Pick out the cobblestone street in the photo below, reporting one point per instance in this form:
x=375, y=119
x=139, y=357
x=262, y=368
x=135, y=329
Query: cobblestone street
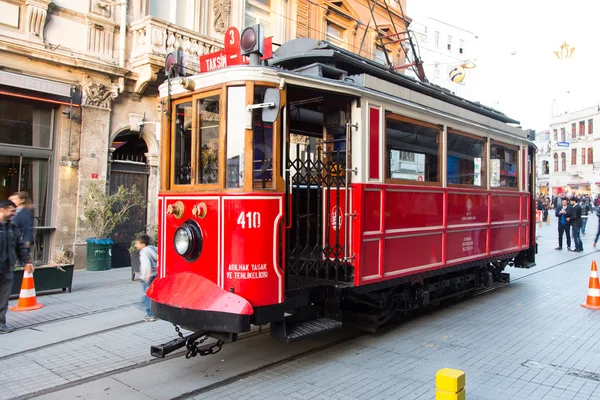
x=527, y=340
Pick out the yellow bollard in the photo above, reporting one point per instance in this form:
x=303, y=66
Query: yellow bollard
x=450, y=384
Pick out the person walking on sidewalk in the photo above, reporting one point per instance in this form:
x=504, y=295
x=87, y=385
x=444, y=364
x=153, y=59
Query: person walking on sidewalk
x=12, y=248
x=148, y=257
x=585, y=210
x=575, y=222
x=563, y=212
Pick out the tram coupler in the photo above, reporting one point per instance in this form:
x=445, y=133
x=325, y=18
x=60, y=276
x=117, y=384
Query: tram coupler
x=162, y=350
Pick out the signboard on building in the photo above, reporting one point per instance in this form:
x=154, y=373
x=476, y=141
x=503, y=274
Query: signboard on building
x=231, y=54
x=562, y=144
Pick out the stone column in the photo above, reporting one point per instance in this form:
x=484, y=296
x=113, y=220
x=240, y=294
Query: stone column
x=93, y=161
x=152, y=161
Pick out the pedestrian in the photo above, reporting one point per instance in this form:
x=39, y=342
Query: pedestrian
x=597, y=232
x=585, y=210
x=563, y=212
x=24, y=217
x=575, y=222
x=546, y=219
x=11, y=249
x=148, y=257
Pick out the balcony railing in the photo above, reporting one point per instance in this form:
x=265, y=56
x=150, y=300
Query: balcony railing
x=153, y=38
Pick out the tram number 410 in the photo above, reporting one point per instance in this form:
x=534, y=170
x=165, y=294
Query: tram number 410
x=250, y=220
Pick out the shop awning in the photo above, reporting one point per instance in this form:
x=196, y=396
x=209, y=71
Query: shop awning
x=32, y=88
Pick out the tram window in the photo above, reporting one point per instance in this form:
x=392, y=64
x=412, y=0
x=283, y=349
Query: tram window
x=504, y=166
x=207, y=142
x=465, y=160
x=412, y=150
x=183, y=144
x=236, y=133
x=263, y=145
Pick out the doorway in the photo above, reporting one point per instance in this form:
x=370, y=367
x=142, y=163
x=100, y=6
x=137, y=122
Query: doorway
x=128, y=168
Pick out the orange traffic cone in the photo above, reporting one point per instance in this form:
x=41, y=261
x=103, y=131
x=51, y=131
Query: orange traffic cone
x=27, y=299
x=593, y=297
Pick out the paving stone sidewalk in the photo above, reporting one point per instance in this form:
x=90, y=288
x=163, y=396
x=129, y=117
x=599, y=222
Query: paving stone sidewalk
x=93, y=291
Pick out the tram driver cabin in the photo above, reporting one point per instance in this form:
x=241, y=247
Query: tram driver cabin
x=355, y=178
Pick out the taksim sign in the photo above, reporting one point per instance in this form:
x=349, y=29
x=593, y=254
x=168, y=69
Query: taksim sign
x=231, y=55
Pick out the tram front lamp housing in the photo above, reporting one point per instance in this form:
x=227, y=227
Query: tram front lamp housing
x=188, y=240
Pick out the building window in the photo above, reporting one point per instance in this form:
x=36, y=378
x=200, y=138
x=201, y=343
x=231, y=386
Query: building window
x=504, y=166
x=582, y=156
x=573, y=131
x=436, y=71
x=449, y=42
x=590, y=126
x=335, y=34
x=26, y=159
x=573, y=156
x=461, y=46
x=555, y=162
x=563, y=159
x=545, y=167
x=465, y=159
x=437, y=39
x=563, y=134
x=380, y=55
x=555, y=135
x=425, y=35
x=590, y=152
x=259, y=12
x=178, y=12
x=581, y=128
x=412, y=149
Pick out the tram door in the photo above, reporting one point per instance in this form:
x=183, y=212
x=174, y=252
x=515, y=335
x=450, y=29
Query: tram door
x=317, y=159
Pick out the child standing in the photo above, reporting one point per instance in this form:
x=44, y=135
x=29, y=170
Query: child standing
x=148, y=257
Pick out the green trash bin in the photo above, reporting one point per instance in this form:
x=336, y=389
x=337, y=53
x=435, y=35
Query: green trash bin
x=99, y=254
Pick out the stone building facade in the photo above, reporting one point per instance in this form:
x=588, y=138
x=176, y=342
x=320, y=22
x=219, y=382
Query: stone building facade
x=79, y=100
x=574, y=164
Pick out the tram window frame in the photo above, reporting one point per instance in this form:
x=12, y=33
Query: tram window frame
x=517, y=162
x=173, y=144
x=389, y=115
x=229, y=117
x=484, y=162
x=221, y=93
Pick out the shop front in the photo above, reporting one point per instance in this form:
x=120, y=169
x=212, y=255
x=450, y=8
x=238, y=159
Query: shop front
x=27, y=147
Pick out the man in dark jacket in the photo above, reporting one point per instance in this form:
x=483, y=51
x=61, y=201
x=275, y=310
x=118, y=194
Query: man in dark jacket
x=564, y=213
x=12, y=248
x=24, y=217
x=575, y=221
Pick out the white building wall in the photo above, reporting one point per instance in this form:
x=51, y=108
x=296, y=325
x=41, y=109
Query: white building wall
x=577, y=177
x=438, y=60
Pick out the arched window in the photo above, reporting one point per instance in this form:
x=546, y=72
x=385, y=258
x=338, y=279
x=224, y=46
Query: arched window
x=555, y=162
x=563, y=158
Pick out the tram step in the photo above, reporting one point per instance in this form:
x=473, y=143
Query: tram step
x=302, y=330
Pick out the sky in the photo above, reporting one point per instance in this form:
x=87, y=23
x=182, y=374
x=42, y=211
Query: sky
x=517, y=70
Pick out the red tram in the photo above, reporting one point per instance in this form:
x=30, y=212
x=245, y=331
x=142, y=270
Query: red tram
x=324, y=189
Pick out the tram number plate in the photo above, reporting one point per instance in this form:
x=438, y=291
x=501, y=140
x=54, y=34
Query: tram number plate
x=249, y=220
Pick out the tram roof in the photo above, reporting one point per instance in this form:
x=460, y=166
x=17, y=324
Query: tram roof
x=299, y=54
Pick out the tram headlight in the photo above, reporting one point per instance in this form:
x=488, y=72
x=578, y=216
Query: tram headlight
x=188, y=240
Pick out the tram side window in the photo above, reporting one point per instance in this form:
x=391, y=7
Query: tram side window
x=262, y=168
x=412, y=150
x=207, y=142
x=465, y=160
x=504, y=166
x=183, y=144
